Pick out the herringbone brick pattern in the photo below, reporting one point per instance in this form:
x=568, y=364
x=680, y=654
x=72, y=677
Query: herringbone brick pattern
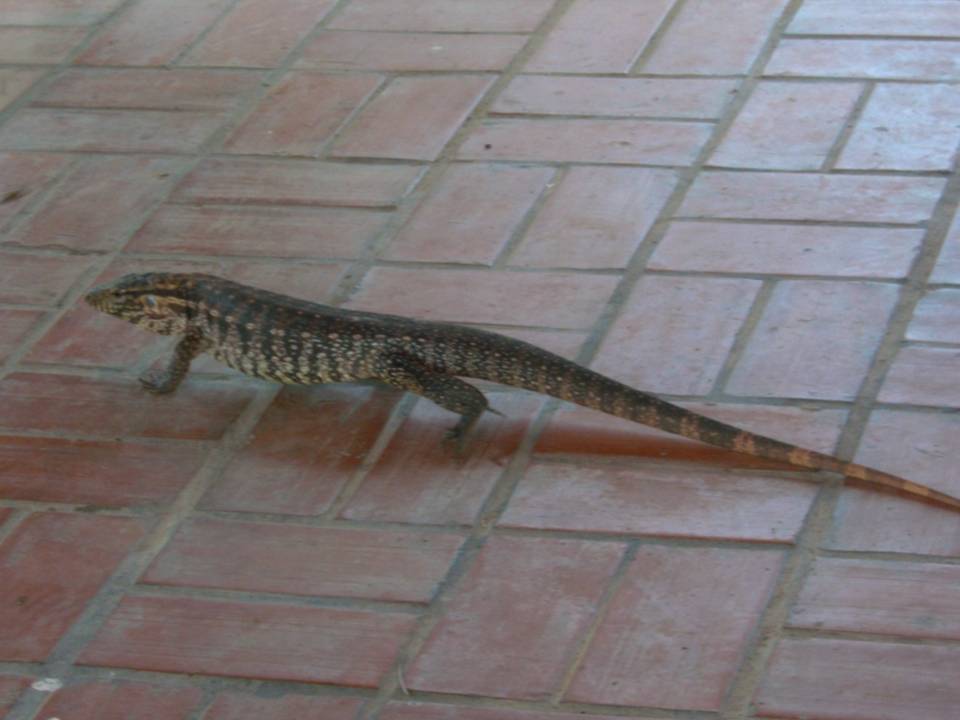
x=749, y=206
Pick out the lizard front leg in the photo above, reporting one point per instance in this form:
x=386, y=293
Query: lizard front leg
x=166, y=380
x=450, y=393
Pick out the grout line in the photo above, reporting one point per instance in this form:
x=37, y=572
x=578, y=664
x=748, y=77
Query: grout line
x=228, y=8
x=60, y=661
x=743, y=337
x=582, y=644
x=848, y=128
x=653, y=44
x=520, y=231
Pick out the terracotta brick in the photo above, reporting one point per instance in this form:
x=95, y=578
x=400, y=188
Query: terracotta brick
x=13, y=82
x=816, y=339
x=616, y=141
x=142, y=33
x=667, y=641
x=436, y=711
x=574, y=45
x=107, y=130
x=38, y=45
x=654, y=501
x=826, y=679
x=305, y=447
x=578, y=431
x=252, y=230
x=917, y=600
x=53, y=564
x=85, y=337
x=937, y=317
x=119, y=700
x=114, y=407
x=936, y=18
x=296, y=560
x=443, y=15
x=906, y=127
x=107, y=473
x=335, y=50
x=301, y=113
x=265, y=641
x=15, y=325
x=695, y=98
x=483, y=297
x=872, y=521
x=21, y=176
x=787, y=125
x=258, y=33
x=237, y=706
x=470, y=215
x=595, y=218
x=920, y=446
x=149, y=89
x=419, y=480
x=674, y=333
x=876, y=59
x=98, y=205
x=273, y=182
x=715, y=37
x=802, y=196
x=10, y=688
x=947, y=269
x=38, y=279
x=767, y=248
x=310, y=281
x=923, y=376
x=54, y=12
x=511, y=628
x=413, y=118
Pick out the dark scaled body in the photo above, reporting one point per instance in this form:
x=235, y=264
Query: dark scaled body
x=279, y=338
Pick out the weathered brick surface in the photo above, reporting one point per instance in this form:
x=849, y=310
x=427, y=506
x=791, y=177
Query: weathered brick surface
x=38, y=45
x=300, y=113
x=586, y=140
x=503, y=634
x=574, y=45
x=788, y=126
x=53, y=564
x=104, y=473
x=239, y=706
x=736, y=203
x=595, y=218
x=402, y=52
x=413, y=118
x=787, y=356
x=823, y=678
x=486, y=203
x=658, y=502
x=258, y=33
x=667, y=641
x=255, y=640
x=116, y=701
x=694, y=98
x=664, y=320
x=379, y=565
x=883, y=597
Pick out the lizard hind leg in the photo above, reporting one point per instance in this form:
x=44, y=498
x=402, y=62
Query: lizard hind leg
x=449, y=392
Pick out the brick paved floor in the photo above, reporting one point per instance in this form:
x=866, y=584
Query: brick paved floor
x=749, y=206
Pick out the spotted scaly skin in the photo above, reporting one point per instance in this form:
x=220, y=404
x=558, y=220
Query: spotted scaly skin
x=275, y=337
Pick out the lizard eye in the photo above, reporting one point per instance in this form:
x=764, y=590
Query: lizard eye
x=151, y=305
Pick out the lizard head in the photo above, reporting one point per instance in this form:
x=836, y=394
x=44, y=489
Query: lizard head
x=159, y=302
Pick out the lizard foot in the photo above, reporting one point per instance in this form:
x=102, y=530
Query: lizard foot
x=157, y=382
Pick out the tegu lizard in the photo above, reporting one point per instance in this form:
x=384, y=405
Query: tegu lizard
x=280, y=338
